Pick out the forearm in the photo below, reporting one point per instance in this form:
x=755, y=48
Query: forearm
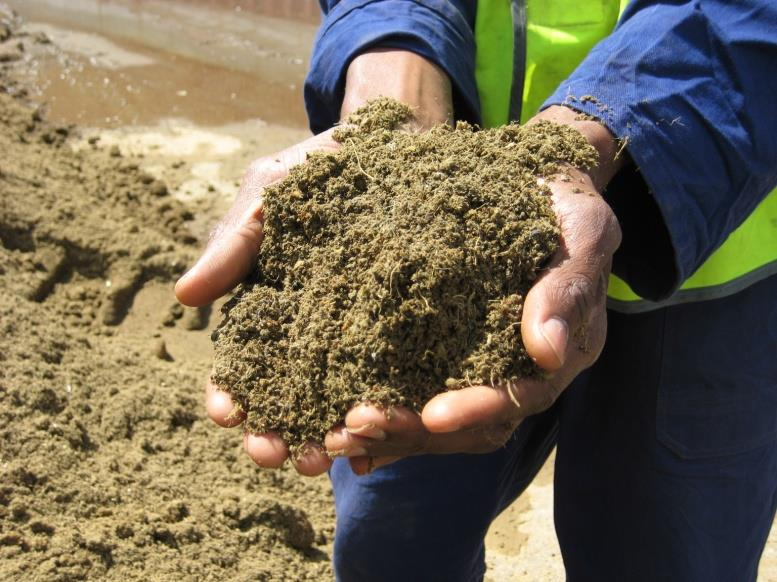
x=404, y=76
x=352, y=36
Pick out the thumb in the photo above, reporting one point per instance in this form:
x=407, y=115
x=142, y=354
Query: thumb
x=227, y=260
x=560, y=303
x=570, y=298
x=234, y=245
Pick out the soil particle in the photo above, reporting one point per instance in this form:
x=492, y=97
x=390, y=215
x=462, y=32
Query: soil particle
x=158, y=188
x=160, y=350
x=196, y=318
x=174, y=313
x=10, y=52
x=392, y=269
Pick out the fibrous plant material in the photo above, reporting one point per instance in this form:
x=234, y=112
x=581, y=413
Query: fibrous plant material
x=392, y=269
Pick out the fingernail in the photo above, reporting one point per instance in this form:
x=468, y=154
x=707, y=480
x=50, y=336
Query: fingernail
x=556, y=333
x=356, y=452
x=369, y=431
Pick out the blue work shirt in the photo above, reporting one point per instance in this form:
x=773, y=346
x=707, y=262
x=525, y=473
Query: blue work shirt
x=692, y=84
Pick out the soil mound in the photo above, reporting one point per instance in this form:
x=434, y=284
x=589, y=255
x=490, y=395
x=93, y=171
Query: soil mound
x=392, y=269
x=108, y=468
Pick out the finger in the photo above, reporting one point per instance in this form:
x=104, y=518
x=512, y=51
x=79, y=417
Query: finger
x=234, y=244
x=479, y=440
x=574, y=288
x=561, y=304
x=468, y=408
x=339, y=442
x=220, y=407
x=414, y=439
x=266, y=450
x=375, y=431
x=377, y=423
x=311, y=461
x=227, y=260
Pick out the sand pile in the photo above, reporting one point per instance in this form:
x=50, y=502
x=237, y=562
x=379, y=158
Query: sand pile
x=392, y=269
x=108, y=469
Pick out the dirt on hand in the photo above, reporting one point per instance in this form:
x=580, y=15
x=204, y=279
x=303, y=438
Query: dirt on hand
x=109, y=469
x=392, y=269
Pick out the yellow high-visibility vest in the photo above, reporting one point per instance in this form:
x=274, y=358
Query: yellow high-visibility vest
x=525, y=49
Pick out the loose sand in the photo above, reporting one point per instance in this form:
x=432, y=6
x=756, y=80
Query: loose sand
x=108, y=470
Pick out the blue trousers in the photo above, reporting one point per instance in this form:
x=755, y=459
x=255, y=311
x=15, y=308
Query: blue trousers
x=666, y=467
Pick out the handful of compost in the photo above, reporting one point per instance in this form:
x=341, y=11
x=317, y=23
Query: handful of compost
x=392, y=269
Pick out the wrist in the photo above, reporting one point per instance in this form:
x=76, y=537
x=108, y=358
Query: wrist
x=404, y=76
x=603, y=141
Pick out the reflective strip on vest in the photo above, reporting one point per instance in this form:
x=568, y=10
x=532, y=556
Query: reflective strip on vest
x=527, y=48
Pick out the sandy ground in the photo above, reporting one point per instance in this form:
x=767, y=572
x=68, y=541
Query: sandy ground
x=108, y=468
x=154, y=106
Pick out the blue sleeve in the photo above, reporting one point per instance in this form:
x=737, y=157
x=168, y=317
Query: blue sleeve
x=438, y=30
x=692, y=86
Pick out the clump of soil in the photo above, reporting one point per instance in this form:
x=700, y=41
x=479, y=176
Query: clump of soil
x=108, y=468
x=392, y=269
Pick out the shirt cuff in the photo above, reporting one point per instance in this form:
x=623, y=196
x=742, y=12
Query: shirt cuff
x=435, y=30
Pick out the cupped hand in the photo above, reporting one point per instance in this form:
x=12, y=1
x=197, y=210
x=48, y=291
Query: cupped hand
x=234, y=243
x=564, y=318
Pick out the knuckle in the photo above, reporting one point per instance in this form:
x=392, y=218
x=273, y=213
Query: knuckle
x=611, y=228
x=578, y=292
x=251, y=232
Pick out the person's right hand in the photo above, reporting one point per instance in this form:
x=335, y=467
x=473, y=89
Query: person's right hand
x=228, y=258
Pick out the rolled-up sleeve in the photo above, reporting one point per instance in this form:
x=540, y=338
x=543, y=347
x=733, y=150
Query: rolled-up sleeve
x=440, y=31
x=691, y=88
